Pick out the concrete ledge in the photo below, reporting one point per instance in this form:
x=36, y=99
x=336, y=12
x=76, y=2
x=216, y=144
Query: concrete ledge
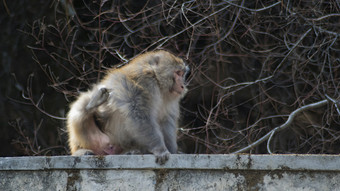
x=181, y=172
x=184, y=161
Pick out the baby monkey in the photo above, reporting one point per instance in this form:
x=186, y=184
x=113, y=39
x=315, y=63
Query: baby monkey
x=135, y=107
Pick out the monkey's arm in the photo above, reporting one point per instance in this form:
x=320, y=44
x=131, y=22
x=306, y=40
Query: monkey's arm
x=138, y=102
x=152, y=138
x=149, y=131
x=169, y=129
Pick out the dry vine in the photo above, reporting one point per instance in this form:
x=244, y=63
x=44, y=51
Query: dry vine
x=254, y=63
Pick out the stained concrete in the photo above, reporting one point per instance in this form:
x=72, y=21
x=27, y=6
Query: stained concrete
x=181, y=172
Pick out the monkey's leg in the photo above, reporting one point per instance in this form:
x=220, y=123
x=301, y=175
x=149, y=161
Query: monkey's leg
x=99, y=97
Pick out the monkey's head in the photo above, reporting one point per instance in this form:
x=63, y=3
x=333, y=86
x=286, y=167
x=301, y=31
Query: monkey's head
x=170, y=71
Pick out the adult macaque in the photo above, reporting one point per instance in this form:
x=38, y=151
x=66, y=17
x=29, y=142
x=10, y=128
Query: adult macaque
x=133, y=107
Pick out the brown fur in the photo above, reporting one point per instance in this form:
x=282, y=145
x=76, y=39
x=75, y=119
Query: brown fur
x=133, y=107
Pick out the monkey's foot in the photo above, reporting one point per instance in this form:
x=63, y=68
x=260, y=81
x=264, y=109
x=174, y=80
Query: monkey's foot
x=98, y=98
x=82, y=152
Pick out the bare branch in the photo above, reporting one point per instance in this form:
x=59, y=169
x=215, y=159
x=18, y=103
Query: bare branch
x=283, y=126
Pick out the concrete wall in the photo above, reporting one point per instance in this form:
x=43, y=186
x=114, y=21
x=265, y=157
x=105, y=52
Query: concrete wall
x=181, y=172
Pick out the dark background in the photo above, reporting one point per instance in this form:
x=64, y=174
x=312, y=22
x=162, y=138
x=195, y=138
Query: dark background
x=253, y=63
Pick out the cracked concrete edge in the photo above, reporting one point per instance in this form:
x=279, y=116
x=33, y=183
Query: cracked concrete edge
x=177, y=161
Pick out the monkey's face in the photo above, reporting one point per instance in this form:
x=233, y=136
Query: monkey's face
x=171, y=72
x=180, y=75
x=179, y=81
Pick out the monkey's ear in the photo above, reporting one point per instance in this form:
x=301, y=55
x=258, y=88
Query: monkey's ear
x=154, y=60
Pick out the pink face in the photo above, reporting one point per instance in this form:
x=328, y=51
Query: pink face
x=178, y=86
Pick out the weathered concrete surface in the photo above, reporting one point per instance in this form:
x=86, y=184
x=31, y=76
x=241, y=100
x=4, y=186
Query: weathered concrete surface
x=181, y=172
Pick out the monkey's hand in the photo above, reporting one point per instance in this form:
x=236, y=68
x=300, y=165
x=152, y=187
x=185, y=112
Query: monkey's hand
x=161, y=158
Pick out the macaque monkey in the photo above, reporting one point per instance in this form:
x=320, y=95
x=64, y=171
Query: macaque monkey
x=135, y=107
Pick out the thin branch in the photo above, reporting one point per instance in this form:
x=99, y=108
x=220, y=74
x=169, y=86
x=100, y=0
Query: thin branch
x=292, y=49
x=325, y=16
x=336, y=103
x=283, y=126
